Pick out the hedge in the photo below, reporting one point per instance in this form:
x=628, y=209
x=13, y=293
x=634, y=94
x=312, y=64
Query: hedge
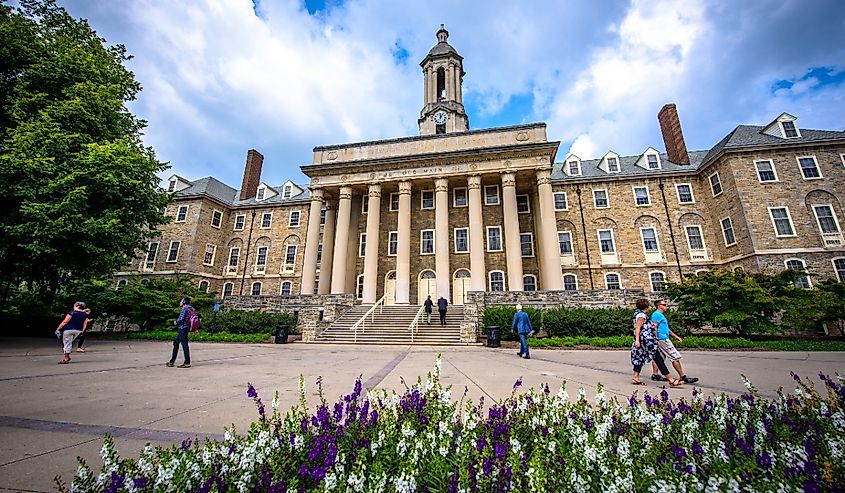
x=569, y=322
x=248, y=322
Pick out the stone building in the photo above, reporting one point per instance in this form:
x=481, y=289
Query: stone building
x=455, y=210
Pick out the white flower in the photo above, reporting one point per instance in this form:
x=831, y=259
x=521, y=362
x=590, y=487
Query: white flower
x=330, y=481
x=516, y=446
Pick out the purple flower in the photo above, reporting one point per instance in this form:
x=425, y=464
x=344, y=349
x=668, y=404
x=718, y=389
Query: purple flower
x=764, y=460
x=140, y=483
x=517, y=384
x=480, y=444
x=250, y=391
x=186, y=444
x=696, y=448
x=679, y=452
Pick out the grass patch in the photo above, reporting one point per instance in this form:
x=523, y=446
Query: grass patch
x=695, y=342
x=169, y=335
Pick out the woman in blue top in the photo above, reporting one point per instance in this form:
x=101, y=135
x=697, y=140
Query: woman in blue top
x=644, y=348
x=74, y=323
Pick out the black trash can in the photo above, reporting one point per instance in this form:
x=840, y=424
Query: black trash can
x=281, y=334
x=494, y=338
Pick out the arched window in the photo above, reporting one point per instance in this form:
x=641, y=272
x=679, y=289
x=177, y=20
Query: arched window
x=121, y=283
x=799, y=265
x=286, y=288
x=658, y=281
x=462, y=273
x=529, y=283
x=203, y=286
x=441, y=84
x=612, y=282
x=227, y=289
x=497, y=280
x=256, y=289
x=570, y=282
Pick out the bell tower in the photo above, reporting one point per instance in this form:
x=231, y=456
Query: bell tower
x=443, y=73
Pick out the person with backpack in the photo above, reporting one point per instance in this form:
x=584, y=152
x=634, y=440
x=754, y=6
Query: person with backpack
x=187, y=321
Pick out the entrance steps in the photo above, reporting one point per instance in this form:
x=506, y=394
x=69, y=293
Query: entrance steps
x=389, y=325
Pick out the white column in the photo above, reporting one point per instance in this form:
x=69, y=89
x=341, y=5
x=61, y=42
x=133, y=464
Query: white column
x=341, y=242
x=513, y=253
x=312, y=238
x=551, y=274
x=441, y=237
x=327, y=260
x=476, y=236
x=403, y=252
x=371, y=251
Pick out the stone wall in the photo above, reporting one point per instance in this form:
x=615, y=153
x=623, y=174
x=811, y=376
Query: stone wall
x=314, y=312
x=477, y=302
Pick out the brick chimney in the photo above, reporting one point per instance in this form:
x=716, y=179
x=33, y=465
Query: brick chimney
x=252, y=174
x=673, y=137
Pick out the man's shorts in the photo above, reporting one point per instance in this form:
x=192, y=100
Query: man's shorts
x=668, y=350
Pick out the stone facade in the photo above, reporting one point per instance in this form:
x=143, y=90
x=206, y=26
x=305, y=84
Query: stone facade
x=763, y=199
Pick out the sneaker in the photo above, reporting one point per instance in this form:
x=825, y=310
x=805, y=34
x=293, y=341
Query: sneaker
x=687, y=379
x=80, y=350
x=657, y=378
x=169, y=364
x=519, y=354
x=526, y=357
x=184, y=365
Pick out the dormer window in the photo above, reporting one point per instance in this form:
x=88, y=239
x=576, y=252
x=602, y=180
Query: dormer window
x=286, y=192
x=789, y=130
x=259, y=195
x=172, y=186
x=612, y=165
x=574, y=168
x=653, y=162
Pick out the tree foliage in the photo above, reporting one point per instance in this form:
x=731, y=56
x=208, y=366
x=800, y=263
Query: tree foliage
x=80, y=191
x=153, y=303
x=747, y=303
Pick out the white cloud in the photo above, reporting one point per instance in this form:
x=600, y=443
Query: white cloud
x=218, y=79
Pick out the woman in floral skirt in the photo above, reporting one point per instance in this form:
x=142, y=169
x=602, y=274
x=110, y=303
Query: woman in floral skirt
x=644, y=348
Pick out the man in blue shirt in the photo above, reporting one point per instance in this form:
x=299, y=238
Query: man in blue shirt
x=664, y=344
x=522, y=324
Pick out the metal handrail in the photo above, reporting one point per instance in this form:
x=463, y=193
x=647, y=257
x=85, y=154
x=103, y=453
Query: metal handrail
x=415, y=324
x=370, y=313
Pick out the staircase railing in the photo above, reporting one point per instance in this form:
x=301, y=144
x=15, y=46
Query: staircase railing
x=415, y=324
x=370, y=313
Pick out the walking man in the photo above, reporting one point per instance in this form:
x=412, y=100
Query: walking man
x=441, y=307
x=664, y=343
x=428, y=306
x=522, y=324
x=183, y=325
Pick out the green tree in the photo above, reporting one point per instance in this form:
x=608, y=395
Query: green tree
x=733, y=300
x=149, y=304
x=80, y=191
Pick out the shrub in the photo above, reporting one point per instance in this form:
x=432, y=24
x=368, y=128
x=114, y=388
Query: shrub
x=588, y=322
x=502, y=317
x=250, y=322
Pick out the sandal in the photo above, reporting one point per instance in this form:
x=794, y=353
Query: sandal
x=637, y=382
x=64, y=361
x=676, y=383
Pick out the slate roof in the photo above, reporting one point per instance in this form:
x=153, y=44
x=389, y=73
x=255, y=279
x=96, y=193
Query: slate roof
x=443, y=48
x=752, y=136
x=590, y=167
x=216, y=189
x=741, y=138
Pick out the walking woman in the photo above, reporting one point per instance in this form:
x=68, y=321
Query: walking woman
x=75, y=322
x=644, y=348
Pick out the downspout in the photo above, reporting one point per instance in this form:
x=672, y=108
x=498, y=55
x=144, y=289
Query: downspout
x=671, y=231
x=584, y=232
x=248, y=248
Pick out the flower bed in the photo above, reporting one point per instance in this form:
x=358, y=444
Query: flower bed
x=424, y=440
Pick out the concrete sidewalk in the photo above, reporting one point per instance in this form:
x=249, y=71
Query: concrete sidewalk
x=50, y=414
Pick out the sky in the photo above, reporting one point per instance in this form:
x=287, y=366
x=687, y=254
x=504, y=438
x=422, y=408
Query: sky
x=221, y=77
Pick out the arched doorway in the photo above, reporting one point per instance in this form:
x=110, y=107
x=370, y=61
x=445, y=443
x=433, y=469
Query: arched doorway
x=390, y=288
x=461, y=284
x=427, y=286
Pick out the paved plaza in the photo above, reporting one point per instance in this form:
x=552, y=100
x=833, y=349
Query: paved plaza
x=50, y=413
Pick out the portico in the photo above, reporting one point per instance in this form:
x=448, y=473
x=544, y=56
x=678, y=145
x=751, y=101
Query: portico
x=432, y=211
